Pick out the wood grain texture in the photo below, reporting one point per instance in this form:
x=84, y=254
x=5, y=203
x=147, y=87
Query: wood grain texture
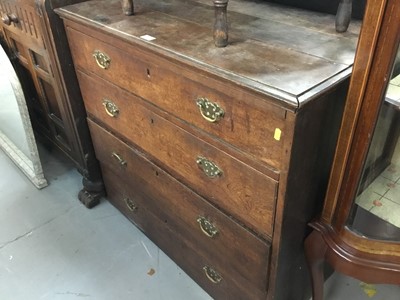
x=283, y=68
x=162, y=83
x=279, y=59
x=302, y=192
x=181, y=250
x=179, y=207
x=325, y=245
x=246, y=193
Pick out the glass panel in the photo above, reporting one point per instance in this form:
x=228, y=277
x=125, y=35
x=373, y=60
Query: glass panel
x=376, y=211
x=39, y=61
x=11, y=123
x=51, y=98
x=16, y=134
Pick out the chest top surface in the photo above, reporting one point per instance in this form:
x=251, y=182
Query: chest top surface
x=289, y=54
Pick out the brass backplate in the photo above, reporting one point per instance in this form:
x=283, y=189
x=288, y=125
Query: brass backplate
x=209, y=168
x=210, y=110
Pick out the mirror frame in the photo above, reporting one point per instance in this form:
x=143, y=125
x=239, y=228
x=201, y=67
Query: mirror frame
x=368, y=260
x=30, y=166
x=372, y=70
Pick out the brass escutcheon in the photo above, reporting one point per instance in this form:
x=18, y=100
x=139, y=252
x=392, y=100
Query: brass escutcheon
x=212, y=275
x=119, y=159
x=210, y=110
x=208, y=167
x=131, y=205
x=102, y=59
x=207, y=227
x=111, y=108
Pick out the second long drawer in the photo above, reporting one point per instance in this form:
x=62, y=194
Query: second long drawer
x=238, y=189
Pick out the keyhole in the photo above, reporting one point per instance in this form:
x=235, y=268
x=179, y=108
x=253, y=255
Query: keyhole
x=148, y=72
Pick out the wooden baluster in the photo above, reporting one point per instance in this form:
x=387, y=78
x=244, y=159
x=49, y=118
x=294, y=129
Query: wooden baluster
x=127, y=7
x=221, y=23
x=343, y=15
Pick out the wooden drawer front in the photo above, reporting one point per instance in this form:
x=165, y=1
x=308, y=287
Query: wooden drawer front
x=184, y=210
x=248, y=123
x=239, y=257
x=244, y=192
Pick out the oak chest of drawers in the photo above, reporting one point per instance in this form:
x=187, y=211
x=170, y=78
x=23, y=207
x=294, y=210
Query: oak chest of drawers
x=220, y=155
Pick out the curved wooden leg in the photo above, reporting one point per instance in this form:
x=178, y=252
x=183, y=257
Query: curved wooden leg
x=315, y=250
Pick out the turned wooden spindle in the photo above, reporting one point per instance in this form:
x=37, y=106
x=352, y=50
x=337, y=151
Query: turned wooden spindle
x=343, y=15
x=127, y=7
x=221, y=23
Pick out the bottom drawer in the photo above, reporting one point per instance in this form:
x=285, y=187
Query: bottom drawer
x=204, y=270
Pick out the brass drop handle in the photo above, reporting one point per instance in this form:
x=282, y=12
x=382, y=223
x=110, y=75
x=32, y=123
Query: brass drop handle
x=130, y=204
x=210, y=110
x=102, y=59
x=7, y=19
x=212, y=275
x=207, y=227
x=119, y=159
x=209, y=168
x=111, y=108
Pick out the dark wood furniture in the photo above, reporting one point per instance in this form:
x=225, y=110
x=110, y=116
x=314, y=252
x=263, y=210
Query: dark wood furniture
x=356, y=241
x=343, y=9
x=325, y=6
x=220, y=155
x=37, y=45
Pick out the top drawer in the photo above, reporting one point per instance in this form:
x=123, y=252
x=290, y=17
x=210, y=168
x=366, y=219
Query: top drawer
x=247, y=122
